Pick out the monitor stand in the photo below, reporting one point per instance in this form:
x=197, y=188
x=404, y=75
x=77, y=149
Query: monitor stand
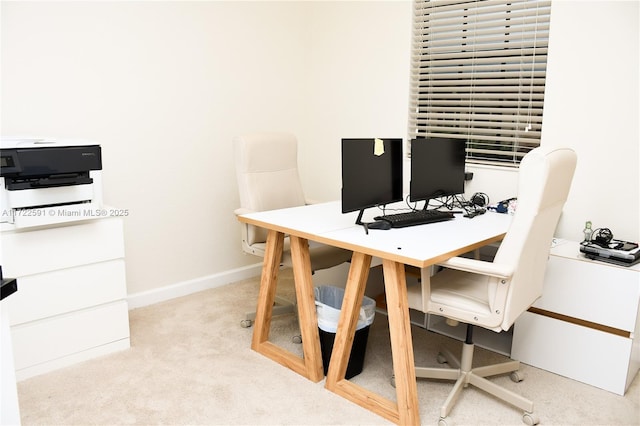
x=378, y=224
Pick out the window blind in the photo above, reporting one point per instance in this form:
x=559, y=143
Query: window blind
x=478, y=73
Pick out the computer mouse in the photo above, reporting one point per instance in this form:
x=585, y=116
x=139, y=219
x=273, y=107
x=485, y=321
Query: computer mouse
x=379, y=224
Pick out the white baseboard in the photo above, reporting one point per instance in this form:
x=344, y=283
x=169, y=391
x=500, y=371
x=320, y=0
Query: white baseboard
x=150, y=297
x=72, y=359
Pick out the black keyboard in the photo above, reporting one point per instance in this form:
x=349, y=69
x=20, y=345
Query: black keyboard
x=415, y=217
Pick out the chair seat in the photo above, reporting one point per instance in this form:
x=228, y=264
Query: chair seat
x=461, y=290
x=322, y=256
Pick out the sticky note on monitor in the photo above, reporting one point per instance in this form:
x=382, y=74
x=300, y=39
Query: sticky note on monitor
x=378, y=147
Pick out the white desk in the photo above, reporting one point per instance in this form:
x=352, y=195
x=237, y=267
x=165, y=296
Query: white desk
x=418, y=246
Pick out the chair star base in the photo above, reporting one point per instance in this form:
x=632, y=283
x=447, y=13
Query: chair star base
x=464, y=375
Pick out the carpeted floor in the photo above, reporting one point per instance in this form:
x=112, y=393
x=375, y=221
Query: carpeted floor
x=190, y=362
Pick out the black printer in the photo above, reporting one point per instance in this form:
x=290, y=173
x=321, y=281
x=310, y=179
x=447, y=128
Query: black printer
x=44, y=181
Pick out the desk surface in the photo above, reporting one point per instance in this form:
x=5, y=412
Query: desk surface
x=413, y=246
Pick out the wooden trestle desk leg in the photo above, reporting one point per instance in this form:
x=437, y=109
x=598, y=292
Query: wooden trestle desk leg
x=395, y=286
x=310, y=365
x=405, y=411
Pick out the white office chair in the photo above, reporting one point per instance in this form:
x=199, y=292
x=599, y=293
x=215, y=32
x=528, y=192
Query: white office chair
x=493, y=294
x=268, y=179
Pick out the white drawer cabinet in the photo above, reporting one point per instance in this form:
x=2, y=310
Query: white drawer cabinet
x=71, y=300
x=584, y=326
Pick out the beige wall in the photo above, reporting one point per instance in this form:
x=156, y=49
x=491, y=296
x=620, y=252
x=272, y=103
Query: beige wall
x=164, y=86
x=358, y=82
x=591, y=104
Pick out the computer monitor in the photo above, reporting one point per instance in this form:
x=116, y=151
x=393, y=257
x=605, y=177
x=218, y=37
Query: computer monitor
x=437, y=168
x=371, y=173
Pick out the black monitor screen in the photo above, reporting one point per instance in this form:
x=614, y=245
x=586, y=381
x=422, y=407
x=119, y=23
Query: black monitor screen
x=371, y=173
x=437, y=168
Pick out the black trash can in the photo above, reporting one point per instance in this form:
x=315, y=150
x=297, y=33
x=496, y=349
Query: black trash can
x=328, y=305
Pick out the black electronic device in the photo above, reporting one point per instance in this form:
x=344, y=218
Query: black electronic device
x=604, y=247
x=415, y=217
x=36, y=168
x=594, y=252
x=603, y=237
x=473, y=213
x=8, y=286
x=627, y=246
x=437, y=168
x=479, y=199
x=371, y=173
x=378, y=224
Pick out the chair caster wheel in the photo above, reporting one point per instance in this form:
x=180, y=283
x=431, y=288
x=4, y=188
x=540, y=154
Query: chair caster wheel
x=392, y=380
x=442, y=422
x=516, y=376
x=530, y=419
x=296, y=339
x=441, y=359
x=246, y=323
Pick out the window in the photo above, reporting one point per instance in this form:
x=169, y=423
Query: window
x=478, y=73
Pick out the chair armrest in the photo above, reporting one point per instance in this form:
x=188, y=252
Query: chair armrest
x=478, y=267
x=242, y=210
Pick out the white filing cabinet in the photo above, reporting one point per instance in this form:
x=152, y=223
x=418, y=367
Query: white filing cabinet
x=585, y=324
x=71, y=302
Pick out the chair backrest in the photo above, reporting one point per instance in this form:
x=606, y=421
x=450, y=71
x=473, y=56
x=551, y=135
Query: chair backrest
x=544, y=181
x=267, y=174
